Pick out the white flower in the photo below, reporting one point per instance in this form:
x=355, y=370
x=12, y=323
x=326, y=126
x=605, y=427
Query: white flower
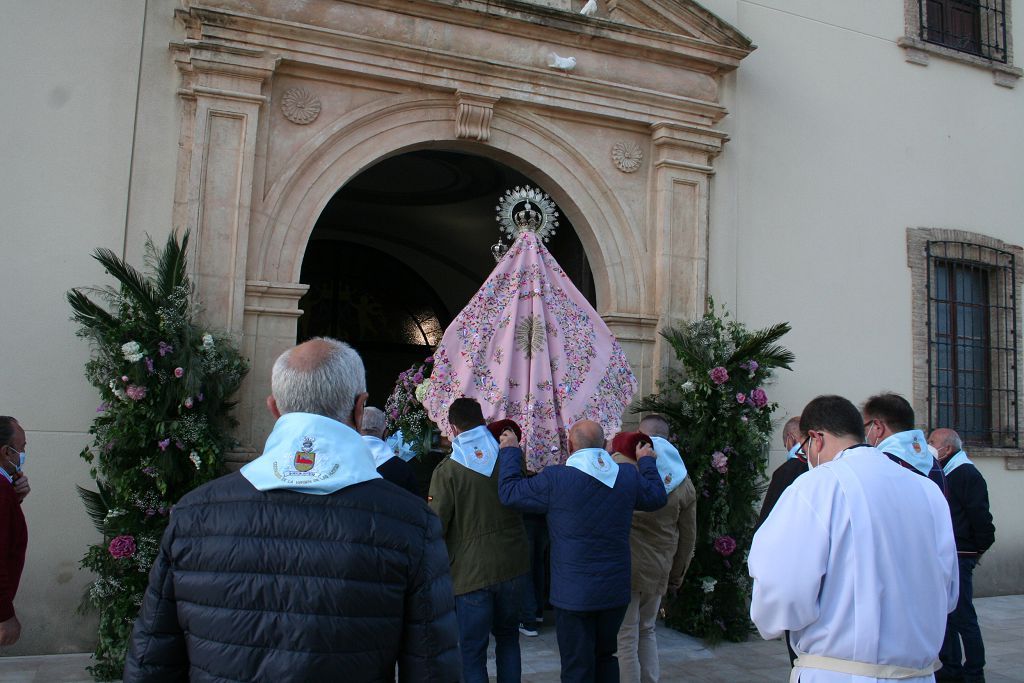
x=421, y=390
x=194, y=457
x=687, y=386
x=207, y=341
x=132, y=352
x=708, y=584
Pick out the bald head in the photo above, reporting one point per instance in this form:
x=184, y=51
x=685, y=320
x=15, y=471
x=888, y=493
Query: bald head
x=585, y=434
x=791, y=432
x=655, y=425
x=322, y=376
x=946, y=441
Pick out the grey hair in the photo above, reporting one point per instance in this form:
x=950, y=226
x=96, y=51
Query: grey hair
x=373, y=422
x=954, y=441
x=328, y=388
x=657, y=425
x=792, y=428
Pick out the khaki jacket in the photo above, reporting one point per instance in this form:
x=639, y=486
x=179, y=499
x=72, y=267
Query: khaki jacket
x=661, y=542
x=486, y=540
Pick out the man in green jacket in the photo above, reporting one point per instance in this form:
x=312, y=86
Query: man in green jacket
x=487, y=547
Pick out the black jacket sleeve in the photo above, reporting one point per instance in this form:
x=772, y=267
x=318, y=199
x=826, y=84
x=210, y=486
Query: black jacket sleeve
x=430, y=643
x=784, y=475
x=976, y=509
x=157, y=649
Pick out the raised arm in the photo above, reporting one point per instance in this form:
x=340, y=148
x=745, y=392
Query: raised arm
x=651, y=493
x=516, y=490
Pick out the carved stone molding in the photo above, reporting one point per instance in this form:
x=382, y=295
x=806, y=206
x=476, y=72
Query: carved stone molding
x=473, y=116
x=627, y=156
x=300, y=106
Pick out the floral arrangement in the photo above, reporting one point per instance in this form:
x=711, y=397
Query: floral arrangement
x=404, y=409
x=162, y=426
x=722, y=418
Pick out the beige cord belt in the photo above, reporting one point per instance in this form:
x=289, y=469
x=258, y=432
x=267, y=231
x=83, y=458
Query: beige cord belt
x=847, y=666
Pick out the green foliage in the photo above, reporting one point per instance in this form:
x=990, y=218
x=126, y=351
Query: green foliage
x=162, y=428
x=722, y=421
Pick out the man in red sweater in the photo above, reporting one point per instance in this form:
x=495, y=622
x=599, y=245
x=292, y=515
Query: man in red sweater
x=13, y=531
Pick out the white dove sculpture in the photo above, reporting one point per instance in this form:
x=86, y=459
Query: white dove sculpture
x=561, y=63
x=589, y=9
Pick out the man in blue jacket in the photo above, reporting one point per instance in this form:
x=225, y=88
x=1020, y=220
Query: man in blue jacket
x=305, y=565
x=589, y=503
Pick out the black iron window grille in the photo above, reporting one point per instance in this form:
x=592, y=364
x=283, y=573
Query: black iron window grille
x=976, y=27
x=972, y=342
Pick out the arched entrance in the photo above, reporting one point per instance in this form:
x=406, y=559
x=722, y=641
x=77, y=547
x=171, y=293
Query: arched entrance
x=399, y=250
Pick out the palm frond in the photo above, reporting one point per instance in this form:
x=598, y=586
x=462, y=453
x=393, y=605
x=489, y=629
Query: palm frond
x=171, y=265
x=761, y=345
x=90, y=314
x=688, y=349
x=95, y=506
x=135, y=283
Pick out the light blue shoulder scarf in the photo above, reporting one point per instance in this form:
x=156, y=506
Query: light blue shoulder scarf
x=311, y=454
x=597, y=463
x=959, y=459
x=911, y=447
x=670, y=463
x=476, y=449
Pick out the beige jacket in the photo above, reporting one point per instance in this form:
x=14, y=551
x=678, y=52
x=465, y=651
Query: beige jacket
x=661, y=542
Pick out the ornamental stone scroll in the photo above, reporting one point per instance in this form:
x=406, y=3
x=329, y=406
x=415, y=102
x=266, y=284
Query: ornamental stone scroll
x=473, y=116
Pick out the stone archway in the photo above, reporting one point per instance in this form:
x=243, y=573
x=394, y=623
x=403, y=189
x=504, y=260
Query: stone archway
x=281, y=106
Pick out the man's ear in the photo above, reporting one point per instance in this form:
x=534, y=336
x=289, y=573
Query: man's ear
x=272, y=407
x=357, y=411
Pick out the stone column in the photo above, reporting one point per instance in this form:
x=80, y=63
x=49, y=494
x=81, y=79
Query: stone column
x=679, y=225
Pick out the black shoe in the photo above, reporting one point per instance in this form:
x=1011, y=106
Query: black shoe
x=943, y=676
x=528, y=630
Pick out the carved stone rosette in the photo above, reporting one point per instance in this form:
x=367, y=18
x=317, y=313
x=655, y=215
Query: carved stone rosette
x=627, y=156
x=300, y=106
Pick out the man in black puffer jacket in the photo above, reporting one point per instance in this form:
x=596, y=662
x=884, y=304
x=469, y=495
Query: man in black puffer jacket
x=306, y=565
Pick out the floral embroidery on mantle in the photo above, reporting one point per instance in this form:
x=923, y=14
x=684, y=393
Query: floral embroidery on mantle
x=530, y=347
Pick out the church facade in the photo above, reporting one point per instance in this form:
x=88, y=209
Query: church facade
x=837, y=175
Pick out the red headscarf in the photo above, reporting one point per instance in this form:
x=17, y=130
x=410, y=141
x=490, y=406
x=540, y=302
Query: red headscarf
x=626, y=443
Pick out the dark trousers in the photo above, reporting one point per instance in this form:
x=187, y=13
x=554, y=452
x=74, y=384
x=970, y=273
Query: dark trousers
x=962, y=625
x=490, y=610
x=586, y=644
x=532, y=597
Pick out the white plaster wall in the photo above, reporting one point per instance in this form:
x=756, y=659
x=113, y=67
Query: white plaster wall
x=838, y=145
x=70, y=72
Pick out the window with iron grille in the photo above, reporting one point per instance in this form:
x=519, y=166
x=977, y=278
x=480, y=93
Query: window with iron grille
x=976, y=27
x=973, y=348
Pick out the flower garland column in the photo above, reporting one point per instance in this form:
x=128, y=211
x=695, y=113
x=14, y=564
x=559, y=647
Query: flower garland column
x=679, y=232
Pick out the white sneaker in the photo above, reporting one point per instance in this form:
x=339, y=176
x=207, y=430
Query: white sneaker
x=527, y=631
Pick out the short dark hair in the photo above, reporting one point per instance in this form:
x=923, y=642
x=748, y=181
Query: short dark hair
x=892, y=409
x=465, y=413
x=832, y=414
x=664, y=428
x=7, y=424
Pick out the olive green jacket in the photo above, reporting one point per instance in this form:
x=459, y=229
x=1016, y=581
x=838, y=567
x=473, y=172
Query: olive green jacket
x=486, y=540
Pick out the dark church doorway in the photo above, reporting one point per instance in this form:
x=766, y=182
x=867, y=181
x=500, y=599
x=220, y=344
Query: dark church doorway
x=401, y=248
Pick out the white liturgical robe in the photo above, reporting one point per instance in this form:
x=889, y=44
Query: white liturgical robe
x=857, y=561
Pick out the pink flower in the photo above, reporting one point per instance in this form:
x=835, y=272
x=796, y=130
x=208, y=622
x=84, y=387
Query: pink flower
x=122, y=547
x=719, y=375
x=179, y=372
x=188, y=402
x=124, y=378
x=740, y=398
x=135, y=392
x=725, y=545
x=720, y=462
x=759, y=398
x=163, y=444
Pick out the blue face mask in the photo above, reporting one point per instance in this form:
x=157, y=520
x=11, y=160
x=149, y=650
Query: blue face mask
x=21, y=459
x=794, y=451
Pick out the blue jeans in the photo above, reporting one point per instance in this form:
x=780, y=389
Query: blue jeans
x=586, y=644
x=494, y=609
x=962, y=625
x=531, y=594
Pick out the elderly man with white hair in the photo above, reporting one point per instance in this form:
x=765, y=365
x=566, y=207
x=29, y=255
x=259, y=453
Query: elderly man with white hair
x=305, y=565
x=389, y=465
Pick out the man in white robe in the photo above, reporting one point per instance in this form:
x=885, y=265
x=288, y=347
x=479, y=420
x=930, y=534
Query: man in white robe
x=857, y=560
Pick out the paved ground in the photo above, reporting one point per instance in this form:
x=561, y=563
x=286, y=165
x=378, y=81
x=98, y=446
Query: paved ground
x=682, y=658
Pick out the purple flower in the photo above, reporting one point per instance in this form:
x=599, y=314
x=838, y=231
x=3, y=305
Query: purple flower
x=135, y=392
x=149, y=471
x=164, y=348
x=163, y=444
x=179, y=372
x=429, y=359
x=122, y=547
x=720, y=462
x=750, y=366
x=740, y=398
x=719, y=375
x=725, y=545
x=418, y=377
x=759, y=398
x=149, y=365
x=394, y=414
x=102, y=407
x=179, y=445
x=200, y=397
